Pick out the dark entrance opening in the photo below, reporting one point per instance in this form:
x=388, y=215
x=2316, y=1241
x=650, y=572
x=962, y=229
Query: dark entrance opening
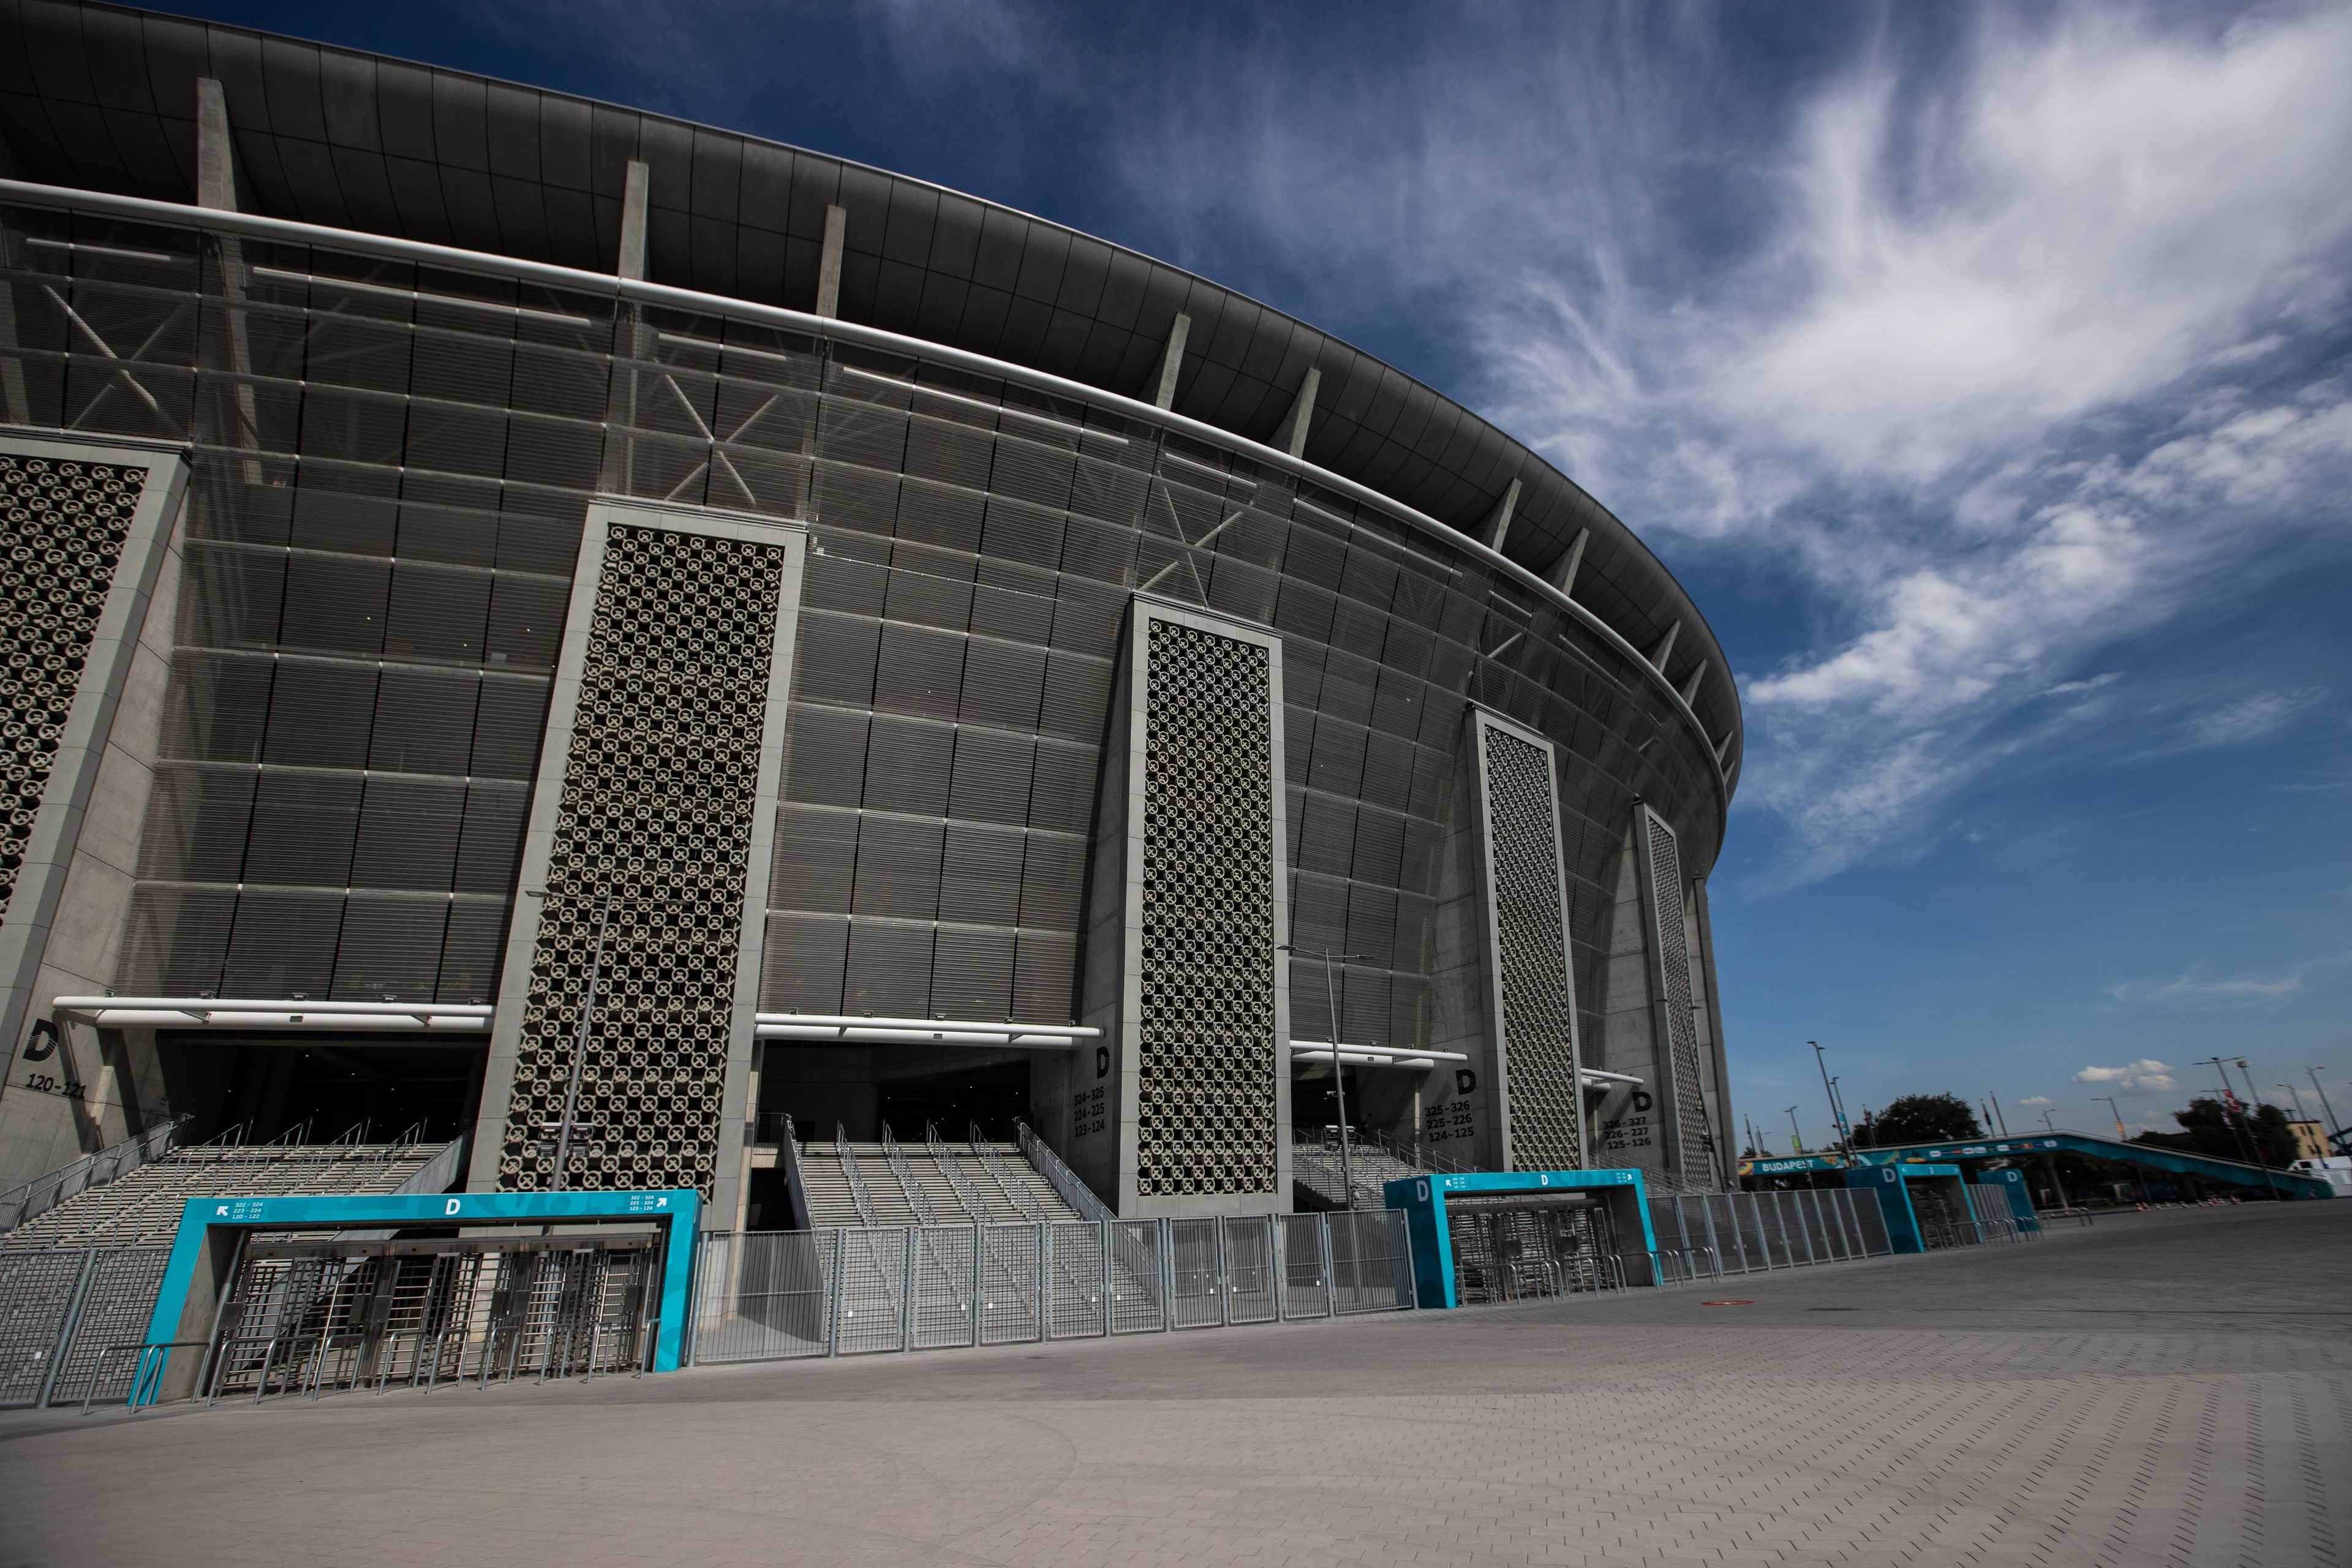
x=274, y=1084
x=992, y=1097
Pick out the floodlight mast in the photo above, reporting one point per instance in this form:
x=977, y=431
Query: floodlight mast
x=1339, y=1068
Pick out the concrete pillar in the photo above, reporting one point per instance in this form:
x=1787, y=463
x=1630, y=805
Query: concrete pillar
x=828, y=267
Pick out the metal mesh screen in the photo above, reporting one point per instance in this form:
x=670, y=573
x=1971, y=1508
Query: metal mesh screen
x=1673, y=961
x=1139, y=1276
x=658, y=798
x=1207, y=1051
x=1075, y=1277
x=64, y=525
x=1249, y=1279
x=1538, y=1018
x=871, y=1291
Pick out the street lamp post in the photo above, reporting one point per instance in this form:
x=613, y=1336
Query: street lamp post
x=1338, y=1068
x=2238, y=1123
x=2335, y=1130
x=2119, y=1115
x=2253, y=1101
x=1830, y=1092
x=1796, y=1133
x=580, y=1038
x=1996, y=1116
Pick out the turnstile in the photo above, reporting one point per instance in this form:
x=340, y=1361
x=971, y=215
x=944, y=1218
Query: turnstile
x=1512, y=1247
x=305, y=1315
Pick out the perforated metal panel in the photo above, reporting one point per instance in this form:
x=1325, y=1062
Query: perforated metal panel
x=659, y=796
x=63, y=525
x=1208, y=1047
x=1530, y=937
x=1670, y=960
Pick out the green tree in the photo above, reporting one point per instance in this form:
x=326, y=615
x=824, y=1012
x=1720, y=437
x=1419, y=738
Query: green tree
x=2208, y=1127
x=1919, y=1118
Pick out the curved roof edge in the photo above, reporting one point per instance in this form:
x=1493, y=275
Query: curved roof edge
x=102, y=98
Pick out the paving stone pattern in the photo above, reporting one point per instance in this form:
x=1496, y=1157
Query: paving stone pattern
x=2169, y=1389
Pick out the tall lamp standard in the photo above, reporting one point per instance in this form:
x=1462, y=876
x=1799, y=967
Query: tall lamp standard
x=2238, y=1123
x=2254, y=1099
x=1796, y=1133
x=1837, y=1117
x=604, y=905
x=2335, y=1129
x=2109, y=1100
x=1338, y=1068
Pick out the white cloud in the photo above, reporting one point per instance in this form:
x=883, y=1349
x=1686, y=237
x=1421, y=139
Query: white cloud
x=2191, y=991
x=2035, y=1099
x=2145, y=1076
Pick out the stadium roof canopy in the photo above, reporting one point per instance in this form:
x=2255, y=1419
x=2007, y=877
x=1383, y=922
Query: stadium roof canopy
x=102, y=98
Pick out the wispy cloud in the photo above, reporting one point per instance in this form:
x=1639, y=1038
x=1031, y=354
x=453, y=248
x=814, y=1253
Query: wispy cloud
x=2036, y=1100
x=2195, y=991
x=2145, y=1076
x=1993, y=344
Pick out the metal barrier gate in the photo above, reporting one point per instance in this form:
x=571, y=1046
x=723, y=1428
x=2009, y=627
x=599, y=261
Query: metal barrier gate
x=1516, y=1247
x=308, y=1316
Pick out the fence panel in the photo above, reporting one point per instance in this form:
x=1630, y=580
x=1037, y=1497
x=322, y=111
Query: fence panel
x=1306, y=1284
x=871, y=1290
x=762, y=1295
x=35, y=1290
x=1870, y=1220
x=1009, y=1307
x=1249, y=1269
x=1371, y=1265
x=1075, y=1278
x=1200, y=1296
x=944, y=1256
x=1137, y=1278
x=1769, y=1225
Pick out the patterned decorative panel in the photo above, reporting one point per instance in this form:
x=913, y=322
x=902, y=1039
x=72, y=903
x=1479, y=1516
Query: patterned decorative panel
x=63, y=525
x=1689, y=1111
x=659, y=794
x=1538, y=1023
x=1207, y=1047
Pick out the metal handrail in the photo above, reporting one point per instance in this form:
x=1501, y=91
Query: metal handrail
x=944, y=1161
x=917, y=1199
x=139, y=1368
x=857, y=1192
x=21, y=1205
x=1023, y=1204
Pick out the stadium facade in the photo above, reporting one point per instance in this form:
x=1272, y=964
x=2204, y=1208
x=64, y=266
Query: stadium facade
x=531, y=615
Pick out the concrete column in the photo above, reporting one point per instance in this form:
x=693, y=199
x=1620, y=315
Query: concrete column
x=1172, y=360
x=1292, y=436
x=828, y=267
x=1499, y=526
x=1565, y=578
x=636, y=200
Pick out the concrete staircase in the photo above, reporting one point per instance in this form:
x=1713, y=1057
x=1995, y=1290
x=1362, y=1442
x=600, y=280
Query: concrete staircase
x=933, y=1182
x=144, y=1204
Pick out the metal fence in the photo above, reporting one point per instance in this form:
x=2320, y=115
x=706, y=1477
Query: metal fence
x=61, y=1308
x=1708, y=1236
x=775, y=1295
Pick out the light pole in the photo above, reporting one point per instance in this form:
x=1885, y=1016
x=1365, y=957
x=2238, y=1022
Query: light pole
x=2335, y=1132
x=1796, y=1133
x=2119, y=1115
x=1830, y=1092
x=1837, y=1102
x=2253, y=1102
x=604, y=903
x=1996, y=1116
x=2238, y=1123
x=2049, y=1125
x=2296, y=1095
x=1338, y=1068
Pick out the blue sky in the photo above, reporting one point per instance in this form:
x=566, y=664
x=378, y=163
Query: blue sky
x=1982, y=370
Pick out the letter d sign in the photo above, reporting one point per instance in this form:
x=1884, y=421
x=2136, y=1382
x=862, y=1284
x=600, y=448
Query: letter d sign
x=452, y=1208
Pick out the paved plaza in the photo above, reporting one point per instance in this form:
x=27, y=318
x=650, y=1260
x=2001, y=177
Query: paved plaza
x=2173, y=1388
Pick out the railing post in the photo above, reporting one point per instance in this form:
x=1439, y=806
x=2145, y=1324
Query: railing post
x=1167, y=1276
x=1108, y=1276
x=979, y=1277
x=68, y=1329
x=834, y=1294
x=910, y=1283
x=1045, y=1280
x=1330, y=1267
